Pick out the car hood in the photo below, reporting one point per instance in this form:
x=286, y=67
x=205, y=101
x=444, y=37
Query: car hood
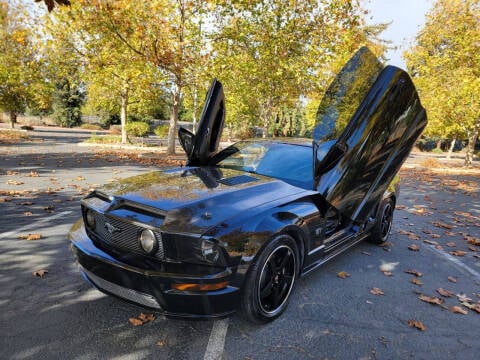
x=193, y=199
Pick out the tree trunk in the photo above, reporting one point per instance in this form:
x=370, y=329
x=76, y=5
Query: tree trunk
x=13, y=119
x=439, y=144
x=472, y=140
x=450, y=150
x=173, y=119
x=123, y=113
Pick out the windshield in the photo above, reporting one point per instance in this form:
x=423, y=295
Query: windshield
x=291, y=163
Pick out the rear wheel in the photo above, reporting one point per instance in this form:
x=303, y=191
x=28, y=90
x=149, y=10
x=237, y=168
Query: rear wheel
x=381, y=229
x=270, y=280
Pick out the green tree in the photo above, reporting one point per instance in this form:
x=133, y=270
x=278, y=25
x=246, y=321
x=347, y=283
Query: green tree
x=18, y=65
x=66, y=103
x=445, y=62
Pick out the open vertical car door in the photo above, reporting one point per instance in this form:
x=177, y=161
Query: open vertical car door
x=204, y=144
x=367, y=123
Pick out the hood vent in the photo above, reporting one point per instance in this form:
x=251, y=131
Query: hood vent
x=237, y=180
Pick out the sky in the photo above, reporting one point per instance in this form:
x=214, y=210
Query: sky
x=407, y=17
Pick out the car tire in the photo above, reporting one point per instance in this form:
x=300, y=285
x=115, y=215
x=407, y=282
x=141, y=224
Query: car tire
x=270, y=280
x=381, y=230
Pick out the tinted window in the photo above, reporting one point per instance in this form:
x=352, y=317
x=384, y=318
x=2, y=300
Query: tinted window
x=288, y=162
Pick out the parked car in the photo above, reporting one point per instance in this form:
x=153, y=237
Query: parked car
x=235, y=229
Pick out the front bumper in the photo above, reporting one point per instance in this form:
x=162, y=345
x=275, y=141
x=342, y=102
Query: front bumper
x=152, y=289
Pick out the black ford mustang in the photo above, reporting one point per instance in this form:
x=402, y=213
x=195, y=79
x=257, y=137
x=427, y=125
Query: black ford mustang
x=235, y=228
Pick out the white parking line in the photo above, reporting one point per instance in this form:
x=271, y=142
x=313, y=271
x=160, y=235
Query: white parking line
x=460, y=265
x=216, y=341
x=34, y=224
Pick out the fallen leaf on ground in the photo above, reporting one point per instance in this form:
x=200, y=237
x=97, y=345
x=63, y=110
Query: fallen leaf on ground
x=135, y=321
x=463, y=298
x=417, y=324
x=414, y=272
x=343, y=274
x=442, y=225
x=376, y=291
x=452, y=279
x=162, y=342
x=458, y=310
x=141, y=319
x=387, y=273
x=472, y=240
x=416, y=281
x=445, y=292
x=435, y=236
x=30, y=236
x=33, y=174
x=414, y=247
x=40, y=273
x=474, y=307
x=449, y=233
x=14, y=182
x=431, y=242
x=451, y=244
x=28, y=213
x=458, y=253
x=49, y=208
x=431, y=299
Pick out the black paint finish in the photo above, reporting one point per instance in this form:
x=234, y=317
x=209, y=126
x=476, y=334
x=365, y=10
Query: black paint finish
x=212, y=220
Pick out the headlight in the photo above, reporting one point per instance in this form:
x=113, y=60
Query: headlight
x=148, y=241
x=90, y=218
x=210, y=251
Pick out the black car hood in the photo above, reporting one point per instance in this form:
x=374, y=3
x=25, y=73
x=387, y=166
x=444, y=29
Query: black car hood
x=193, y=199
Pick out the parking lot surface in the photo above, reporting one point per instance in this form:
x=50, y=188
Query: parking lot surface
x=59, y=316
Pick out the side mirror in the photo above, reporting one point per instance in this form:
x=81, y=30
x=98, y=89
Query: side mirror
x=186, y=139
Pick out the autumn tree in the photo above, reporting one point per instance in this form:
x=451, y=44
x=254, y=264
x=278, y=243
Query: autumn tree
x=161, y=33
x=18, y=65
x=272, y=53
x=445, y=62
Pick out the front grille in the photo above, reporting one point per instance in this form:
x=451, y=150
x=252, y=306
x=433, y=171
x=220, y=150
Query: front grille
x=122, y=292
x=123, y=235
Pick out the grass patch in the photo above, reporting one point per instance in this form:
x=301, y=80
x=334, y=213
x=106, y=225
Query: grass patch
x=12, y=136
x=104, y=139
x=91, y=127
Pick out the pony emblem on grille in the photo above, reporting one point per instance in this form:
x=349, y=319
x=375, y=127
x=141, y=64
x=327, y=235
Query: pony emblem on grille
x=112, y=229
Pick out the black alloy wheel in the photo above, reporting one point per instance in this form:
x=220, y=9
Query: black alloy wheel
x=276, y=279
x=381, y=230
x=270, y=280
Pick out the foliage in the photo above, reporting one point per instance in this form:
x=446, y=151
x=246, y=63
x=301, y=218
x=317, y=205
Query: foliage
x=18, y=65
x=66, y=103
x=161, y=131
x=104, y=139
x=445, y=62
x=91, y=127
x=137, y=128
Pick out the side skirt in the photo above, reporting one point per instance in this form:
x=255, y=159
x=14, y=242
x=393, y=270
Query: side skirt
x=334, y=253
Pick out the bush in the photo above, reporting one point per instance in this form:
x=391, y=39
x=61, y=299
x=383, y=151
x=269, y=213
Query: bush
x=161, y=131
x=91, y=127
x=437, y=151
x=137, y=128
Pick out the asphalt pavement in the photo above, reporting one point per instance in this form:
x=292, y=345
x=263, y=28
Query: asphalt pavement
x=59, y=316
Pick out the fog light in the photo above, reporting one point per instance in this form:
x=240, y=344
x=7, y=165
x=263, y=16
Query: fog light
x=90, y=218
x=200, y=287
x=148, y=241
